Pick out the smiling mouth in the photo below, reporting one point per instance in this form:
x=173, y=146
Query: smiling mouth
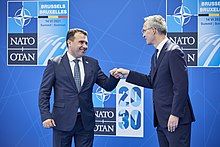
x=84, y=49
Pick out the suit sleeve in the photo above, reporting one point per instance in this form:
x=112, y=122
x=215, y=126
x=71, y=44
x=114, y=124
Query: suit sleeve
x=178, y=69
x=139, y=79
x=108, y=83
x=45, y=91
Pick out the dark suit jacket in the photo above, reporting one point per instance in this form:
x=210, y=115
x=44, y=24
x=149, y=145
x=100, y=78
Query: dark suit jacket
x=169, y=81
x=67, y=99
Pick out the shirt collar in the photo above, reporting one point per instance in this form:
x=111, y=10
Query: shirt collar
x=71, y=58
x=160, y=46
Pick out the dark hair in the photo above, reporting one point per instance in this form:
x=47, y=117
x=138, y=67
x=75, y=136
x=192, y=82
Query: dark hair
x=71, y=33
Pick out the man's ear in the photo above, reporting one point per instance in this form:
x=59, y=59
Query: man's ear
x=155, y=30
x=68, y=42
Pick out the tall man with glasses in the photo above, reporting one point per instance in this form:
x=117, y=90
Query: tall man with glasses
x=72, y=76
x=168, y=78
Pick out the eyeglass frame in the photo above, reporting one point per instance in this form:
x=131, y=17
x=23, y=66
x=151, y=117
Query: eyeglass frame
x=144, y=30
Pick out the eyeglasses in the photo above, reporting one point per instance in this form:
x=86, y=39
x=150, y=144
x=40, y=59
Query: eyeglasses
x=144, y=30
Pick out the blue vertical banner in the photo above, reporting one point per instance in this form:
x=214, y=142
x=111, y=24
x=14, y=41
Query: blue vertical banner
x=129, y=110
x=209, y=33
x=53, y=26
x=36, y=31
x=194, y=26
x=182, y=27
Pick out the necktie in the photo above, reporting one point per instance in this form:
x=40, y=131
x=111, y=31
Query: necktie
x=77, y=74
x=155, y=57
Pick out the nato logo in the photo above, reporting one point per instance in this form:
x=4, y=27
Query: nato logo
x=22, y=33
x=181, y=16
x=22, y=17
x=103, y=98
x=105, y=112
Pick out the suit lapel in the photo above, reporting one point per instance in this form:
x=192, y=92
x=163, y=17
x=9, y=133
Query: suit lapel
x=160, y=58
x=87, y=71
x=67, y=68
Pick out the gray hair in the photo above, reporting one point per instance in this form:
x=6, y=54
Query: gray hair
x=158, y=22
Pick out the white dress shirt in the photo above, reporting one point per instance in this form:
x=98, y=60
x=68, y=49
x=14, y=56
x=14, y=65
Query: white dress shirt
x=160, y=46
x=81, y=67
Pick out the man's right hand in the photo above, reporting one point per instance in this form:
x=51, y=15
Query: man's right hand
x=123, y=72
x=49, y=123
x=119, y=72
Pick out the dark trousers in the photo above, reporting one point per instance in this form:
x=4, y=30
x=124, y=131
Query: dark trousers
x=179, y=138
x=82, y=138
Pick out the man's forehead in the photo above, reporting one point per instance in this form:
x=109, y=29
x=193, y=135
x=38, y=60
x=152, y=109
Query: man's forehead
x=79, y=34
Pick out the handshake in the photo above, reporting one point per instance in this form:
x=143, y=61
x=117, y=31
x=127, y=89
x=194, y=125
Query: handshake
x=119, y=73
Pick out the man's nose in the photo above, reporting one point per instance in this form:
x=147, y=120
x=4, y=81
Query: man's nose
x=85, y=45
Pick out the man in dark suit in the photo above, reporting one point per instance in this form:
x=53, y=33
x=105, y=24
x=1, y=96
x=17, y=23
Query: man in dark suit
x=168, y=78
x=72, y=77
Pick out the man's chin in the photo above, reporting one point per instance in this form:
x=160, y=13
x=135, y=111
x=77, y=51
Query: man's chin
x=148, y=43
x=82, y=53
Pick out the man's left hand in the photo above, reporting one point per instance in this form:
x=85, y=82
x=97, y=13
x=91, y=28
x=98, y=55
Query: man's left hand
x=172, y=123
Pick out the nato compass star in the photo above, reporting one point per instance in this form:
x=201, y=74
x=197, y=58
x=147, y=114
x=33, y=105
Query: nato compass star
x=102, y=95
x=22, y=17
x=182, y=15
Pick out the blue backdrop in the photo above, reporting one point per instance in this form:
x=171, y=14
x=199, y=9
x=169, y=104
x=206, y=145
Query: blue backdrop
x=115, y=39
